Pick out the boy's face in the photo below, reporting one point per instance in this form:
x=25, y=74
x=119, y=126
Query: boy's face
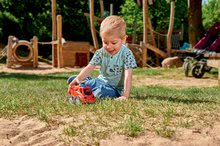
x=112, y=42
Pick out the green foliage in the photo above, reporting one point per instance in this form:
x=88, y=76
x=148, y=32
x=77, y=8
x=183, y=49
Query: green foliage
x=159, y=13
x=24, y=19
x=133, y=16
x=211, y=13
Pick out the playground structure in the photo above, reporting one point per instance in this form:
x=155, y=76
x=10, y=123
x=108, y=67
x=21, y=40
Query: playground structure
x=64, y=53
x=140, y=51
x=13, y=57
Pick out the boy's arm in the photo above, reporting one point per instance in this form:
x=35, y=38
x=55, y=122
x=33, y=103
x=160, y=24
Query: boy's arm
x=83, y=74
x=127, y=84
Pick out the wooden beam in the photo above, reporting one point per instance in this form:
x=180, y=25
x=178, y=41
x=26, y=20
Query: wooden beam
x=111, y=9
x=153, y=40
x=212, y=55
x=101, y=8
x=35, y=47
x=145, y=32
x=59, y=42
x=54, y=34
x=92, y=26
x=9, y=51
x=170, y=30
x=145, y=19
x=155, y=49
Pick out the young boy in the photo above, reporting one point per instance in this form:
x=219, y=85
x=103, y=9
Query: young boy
x=115, y=60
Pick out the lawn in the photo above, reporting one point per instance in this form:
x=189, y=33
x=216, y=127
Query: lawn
x=158, y=109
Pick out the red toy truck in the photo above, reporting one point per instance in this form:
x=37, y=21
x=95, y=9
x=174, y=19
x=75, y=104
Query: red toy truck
x=81, y=94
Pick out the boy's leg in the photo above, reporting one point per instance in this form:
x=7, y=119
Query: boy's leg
x=100, y=89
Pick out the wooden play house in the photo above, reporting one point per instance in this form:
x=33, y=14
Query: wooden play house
x=69, y=53
x=76, y=53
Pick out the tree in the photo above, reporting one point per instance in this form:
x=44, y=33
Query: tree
x=210, y=13
x=195, y=26
x=132, y=14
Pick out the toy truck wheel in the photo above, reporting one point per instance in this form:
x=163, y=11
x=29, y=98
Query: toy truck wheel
x=74, y=100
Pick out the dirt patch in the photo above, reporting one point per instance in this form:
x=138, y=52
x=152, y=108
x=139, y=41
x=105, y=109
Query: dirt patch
x=27, y=131
x=30, y=131
x=183, y=137
x=184, y=82
x=43, y=68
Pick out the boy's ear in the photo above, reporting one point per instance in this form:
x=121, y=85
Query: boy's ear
x=124, y=39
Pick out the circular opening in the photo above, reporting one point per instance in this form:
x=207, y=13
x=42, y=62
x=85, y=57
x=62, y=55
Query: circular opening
x=22, y=51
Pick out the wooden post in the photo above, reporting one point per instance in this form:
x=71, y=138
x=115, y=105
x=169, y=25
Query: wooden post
x=182, y=29
x=9, y=51
x=170, y=30
x=144, y=56
x=35, y=47
x=54, y=34
x=93, y=31
x=101, y=9
x=111, y=9
x=145, y=32
x=153, y=40
x=59, y=42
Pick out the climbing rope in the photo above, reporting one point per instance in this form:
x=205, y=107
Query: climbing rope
x=52, y=42
x=47, y=43
x=3, y=52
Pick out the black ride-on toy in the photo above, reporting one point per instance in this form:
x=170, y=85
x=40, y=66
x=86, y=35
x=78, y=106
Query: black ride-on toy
x=197, y=68
x=196, y=61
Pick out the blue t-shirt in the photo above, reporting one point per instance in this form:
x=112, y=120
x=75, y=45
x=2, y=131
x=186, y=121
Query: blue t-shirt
x=113, y=67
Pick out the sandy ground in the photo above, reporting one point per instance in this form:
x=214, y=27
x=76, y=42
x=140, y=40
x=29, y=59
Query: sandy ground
x=43, y=68
x=27, y=131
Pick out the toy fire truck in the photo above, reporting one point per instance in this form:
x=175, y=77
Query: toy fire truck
x=80, y=94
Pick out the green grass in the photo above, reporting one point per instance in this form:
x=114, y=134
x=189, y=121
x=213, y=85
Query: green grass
x=151, y=108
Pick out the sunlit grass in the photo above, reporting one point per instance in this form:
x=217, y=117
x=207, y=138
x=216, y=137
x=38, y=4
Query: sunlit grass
x=156, y=109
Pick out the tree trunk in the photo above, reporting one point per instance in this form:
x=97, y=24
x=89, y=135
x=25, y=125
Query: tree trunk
x=195, y=28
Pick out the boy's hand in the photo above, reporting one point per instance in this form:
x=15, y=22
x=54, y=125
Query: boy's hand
x=122, y=98
x=73, y=83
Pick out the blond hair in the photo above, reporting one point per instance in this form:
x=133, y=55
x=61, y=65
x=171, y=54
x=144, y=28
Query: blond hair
x=112, y=24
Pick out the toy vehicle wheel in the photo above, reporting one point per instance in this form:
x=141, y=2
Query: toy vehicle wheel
x=198, y=71
x=74, y=100
x=186, y=67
